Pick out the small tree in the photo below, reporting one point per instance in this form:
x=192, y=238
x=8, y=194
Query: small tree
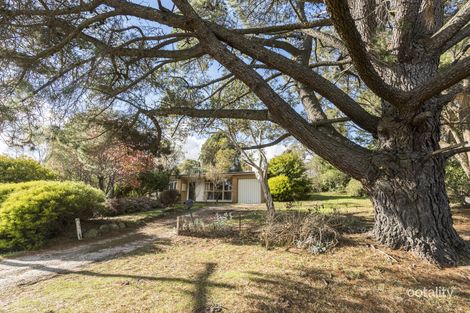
x=250, y=138
x=216, y=172
x=108, y=151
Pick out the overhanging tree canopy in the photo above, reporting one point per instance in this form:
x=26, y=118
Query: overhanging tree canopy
x=124, y=51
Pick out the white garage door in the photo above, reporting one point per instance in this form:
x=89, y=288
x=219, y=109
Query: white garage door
x=249, y=191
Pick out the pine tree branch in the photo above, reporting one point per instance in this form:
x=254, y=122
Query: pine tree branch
x=257, y=115
x=285, y=136
x=450, y=29
x=361, y=59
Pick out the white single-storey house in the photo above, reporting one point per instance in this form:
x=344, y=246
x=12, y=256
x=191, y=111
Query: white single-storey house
x=238, y=187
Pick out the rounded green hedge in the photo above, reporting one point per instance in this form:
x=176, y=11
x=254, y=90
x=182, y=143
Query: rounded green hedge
x=281, y=188
x=7, y=189
x=22, y=170
x=32, y=212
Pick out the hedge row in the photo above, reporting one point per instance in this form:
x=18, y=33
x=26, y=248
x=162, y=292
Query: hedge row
x=32, y=212
x=120, y=206
x=22, y=170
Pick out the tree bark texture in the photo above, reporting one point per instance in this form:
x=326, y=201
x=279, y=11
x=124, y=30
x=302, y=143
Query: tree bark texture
x=406, y=183
x=263, y=180
x=412, y=210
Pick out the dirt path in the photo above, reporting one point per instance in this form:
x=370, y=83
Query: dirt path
x=31, y=268
x=43, y=265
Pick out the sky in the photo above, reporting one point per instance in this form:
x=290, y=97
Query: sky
x=192, y=147
x=3, y=147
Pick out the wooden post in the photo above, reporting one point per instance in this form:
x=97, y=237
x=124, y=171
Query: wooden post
x=79, y=229
x=177, y=225
x=240, y=223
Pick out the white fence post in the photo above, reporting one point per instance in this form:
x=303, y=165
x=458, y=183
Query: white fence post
x=79, y=229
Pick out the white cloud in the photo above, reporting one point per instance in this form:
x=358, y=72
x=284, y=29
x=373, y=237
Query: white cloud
x=192, y=147
x=3, y=147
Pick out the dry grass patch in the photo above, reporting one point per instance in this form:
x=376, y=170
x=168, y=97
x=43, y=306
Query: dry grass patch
x=197, y=275
x=189, y=274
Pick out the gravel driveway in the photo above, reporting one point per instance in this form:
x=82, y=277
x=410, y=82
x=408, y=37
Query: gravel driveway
x=31, y=268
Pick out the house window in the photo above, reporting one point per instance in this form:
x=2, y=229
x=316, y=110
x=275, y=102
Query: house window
x=172, y=185
x=219, y=192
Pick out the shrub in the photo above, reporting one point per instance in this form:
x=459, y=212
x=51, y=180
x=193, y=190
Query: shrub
x=22, y=170
x=7, y=189
x=34, y=212
x=291, y=165
x=333, y=180
x=153, y=181
x=325, y=177
x=301, y=187
x=169, y=197
x=119, y=206
x=281, y=188
x=217, y=227
x=355, y=189
x=457, y=183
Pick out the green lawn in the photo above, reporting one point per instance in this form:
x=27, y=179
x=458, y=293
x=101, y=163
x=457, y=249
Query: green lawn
x=327, y=201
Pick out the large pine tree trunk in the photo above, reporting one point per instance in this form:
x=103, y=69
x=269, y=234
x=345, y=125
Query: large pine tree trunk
x=408, y=190
x=412, y=211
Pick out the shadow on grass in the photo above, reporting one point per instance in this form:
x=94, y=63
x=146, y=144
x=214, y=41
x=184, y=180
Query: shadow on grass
x=201, y=282
x=316, y=290
x=311, y=293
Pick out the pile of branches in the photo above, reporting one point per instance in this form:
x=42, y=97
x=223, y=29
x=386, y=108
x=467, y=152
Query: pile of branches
x=314, y=232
